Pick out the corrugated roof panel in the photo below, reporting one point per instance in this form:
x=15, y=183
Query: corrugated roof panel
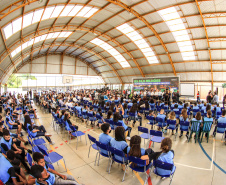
x=189, y=9
x=207, y=6
x=137, y=23
x=153, y=18
x=142, y=61
x=201, y=44
x=153, y=40
x=197, y=66
x=164, y=58
x=213, y=31
x=218, y=67
x=172, y=47
x=176, y=57
x=216, y=55
x=204, y=55
x=217, y=76
x=198, y=33
x=161, y=28
x=159, y=49
x=167, y=37
x=194, y=21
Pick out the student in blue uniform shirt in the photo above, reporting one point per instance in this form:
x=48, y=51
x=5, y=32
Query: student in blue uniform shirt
x=173, y=104
x=36, y=131
x=195, y=107
x=165, y=155
x=176, y=108
x=7, y=172
x=207, y=118
x=180, y=106
x=135, y=149
x=217, y=108
x=13, y=124
x=134, y=109
x=197, y=118
x=163, y=116
x=184, y=117
x=221, y=119
x=104, y=137
x=119, y=142
x=59, y=178
x=7, y=143
x=119, y=118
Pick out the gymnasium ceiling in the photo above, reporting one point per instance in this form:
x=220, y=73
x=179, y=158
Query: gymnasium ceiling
x=121, y=40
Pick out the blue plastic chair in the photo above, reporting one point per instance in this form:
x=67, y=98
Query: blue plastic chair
x=99, y=118
x=78, y=134
x=115, y=152
x=92, y=143
x=29, y=159
x=172, y=126
x=151, y=120
x=163, y=166
x=177, y=113
x=52, y=157
x=138, y=165
x=184, y=126
x=145, y=133
x=206, y=129
x=195, y=127
x=156, y=136
x=50, y=166
x=103, y=147
x=221, y=127
x=195, y=112
x=91, y=118
x=161, y=122
x=218, y=114
x=132, y=116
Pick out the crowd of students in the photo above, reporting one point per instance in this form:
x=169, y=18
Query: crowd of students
x=101, y=109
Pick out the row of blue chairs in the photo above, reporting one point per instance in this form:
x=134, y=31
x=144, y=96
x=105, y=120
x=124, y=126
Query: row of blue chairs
x=134, y=163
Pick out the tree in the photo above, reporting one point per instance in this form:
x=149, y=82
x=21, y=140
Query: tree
x=15, y=80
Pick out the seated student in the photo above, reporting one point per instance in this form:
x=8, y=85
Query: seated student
x=62, y=114
x=125, y=115
x=104, y=137
x=180, y=106
x=173, y=104
x=218, y=108
x=42, y=176
x=7, y=172
x=79, y=109
x=100, y=122
x=20, y=175
x=195, y=107
x=176, y=109
x=221, y=119
x=184, y=117
x=119, y=142
x=198, y=118
x=59, y=178
x=36, y=131
x=118, y=118
x=7, y=143
x=84, y=111
x=2, y=128
x=67, y=119
x=166, y=155
x=92, y=113
x=172, y=116
x=134, y=109
x=13, y=125
x=30, y=109
x=163, y=116
x=207, y=118
x=134, y=149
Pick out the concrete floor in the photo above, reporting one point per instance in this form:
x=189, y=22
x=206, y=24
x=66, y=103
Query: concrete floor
x=192, y=165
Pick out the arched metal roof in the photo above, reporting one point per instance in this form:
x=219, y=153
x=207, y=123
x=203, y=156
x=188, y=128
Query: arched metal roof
x=135, y=38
